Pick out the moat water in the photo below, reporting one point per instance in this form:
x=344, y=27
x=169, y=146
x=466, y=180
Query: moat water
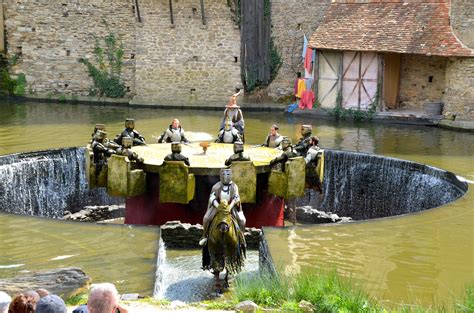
x=423, y=258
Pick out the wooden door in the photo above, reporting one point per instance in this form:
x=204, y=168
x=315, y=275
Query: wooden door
x=391, y=79
x=359, y=79
x=329, y=68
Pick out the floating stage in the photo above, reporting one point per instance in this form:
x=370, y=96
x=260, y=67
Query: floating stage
x=159, y=191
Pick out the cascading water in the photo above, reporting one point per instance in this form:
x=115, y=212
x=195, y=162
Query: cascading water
x=46, y=183
x=365, y=186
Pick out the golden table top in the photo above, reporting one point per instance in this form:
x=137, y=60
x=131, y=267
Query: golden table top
x=208, y=163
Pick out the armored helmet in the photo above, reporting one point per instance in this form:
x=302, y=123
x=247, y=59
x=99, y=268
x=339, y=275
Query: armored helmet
x=100, y=135
x=226, y=176
x=127, y=142
x=285, y=143
x=306, y=129
x=238, y=147
x=130, y=123
x=176, y=147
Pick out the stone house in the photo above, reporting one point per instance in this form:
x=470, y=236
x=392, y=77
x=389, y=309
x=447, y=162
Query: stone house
x=393, y=55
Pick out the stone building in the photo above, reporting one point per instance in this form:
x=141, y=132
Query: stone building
x=397, y=54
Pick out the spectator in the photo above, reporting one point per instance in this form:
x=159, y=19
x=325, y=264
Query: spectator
x=5, y=300
x=103, y=298
x=51, y=304
x=42, y=292
x=22, y=304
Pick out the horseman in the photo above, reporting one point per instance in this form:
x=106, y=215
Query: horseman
x=226, y=190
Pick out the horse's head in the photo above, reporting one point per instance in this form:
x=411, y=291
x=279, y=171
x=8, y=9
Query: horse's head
x=223, y=227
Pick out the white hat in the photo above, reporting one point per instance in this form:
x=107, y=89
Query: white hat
x=5, y=300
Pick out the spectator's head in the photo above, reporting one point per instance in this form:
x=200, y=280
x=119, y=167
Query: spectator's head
x=51, y=304
x=42, y=292
x=22, y=304
x=103, y=298
x=5, y=300
x=175, y=123
x=33, y=294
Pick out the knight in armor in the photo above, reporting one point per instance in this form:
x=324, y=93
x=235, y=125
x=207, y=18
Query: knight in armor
x=176, y=155
x=101, y=151
x=224, y=190
x=96, y=128
x=234, y=113
x=228, y=134
x=303, y=145
x=273, y=139
x=288, y=153
x=238, y=154
x=312, y=159
x=129, y=131
x=174, y=133
x=125, y=150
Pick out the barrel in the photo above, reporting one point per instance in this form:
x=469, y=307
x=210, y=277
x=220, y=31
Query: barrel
x=434, y=108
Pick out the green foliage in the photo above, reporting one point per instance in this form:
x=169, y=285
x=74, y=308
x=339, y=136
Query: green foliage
x=8, y=85
x=467, y=304
x=20, y=85
x=77, y=299
x=62, y=98
x=219, y=304
x=275, y=60
x=106, y=74
x=328, y=292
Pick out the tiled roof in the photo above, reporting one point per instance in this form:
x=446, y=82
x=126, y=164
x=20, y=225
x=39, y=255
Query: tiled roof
x=403, y=26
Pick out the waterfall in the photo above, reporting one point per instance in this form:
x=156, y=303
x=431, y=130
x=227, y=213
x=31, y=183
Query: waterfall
x=46, y=183
x=159, y=290
x=365, y=186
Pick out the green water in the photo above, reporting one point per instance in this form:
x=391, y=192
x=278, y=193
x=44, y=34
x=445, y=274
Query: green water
x=424, y=258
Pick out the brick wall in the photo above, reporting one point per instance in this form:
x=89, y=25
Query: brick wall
x=462, y=21
x=415, y=86
x=50, y=36
x=190, y=61
x=459, y=97
x=290, y=20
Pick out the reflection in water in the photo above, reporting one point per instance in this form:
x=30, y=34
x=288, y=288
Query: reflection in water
x=422, y=258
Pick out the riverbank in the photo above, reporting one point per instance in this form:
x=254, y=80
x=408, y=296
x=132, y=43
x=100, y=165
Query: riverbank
x=395, y=116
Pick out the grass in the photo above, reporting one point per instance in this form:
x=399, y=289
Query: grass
x=327, y=292
x=77, y=299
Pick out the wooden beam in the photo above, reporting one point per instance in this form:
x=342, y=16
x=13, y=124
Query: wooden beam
x=2, y=30
x=202, y=13
x=171, y=12
x=137, y=8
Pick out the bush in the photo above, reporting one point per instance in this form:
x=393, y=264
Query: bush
x=106, y=75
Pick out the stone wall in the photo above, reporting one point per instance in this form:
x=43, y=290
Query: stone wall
x=462, y=21
x=459, y=97
x=291, y=19
x=50, y=36
x=416, y=89
x=187, y=61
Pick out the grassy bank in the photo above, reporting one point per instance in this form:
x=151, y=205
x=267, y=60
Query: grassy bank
x=327, y=292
